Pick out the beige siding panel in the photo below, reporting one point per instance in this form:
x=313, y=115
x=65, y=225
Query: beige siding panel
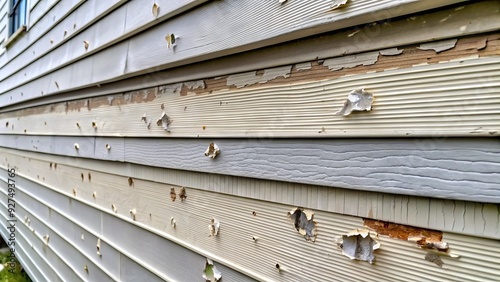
x=408, y=102
x=202, y=43
x=277, y=242
x=56, y=50
x=110, y=180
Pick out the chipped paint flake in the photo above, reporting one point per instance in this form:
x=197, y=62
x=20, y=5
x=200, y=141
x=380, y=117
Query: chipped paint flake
x=196, y=84
x=351, y=61
x=243, y=79
x=391, y=52
x=357, y=100
x=214, y=227
x=359, y=245
x=303, y=66
x=170, y=88
x=212, y=151
x=439, y=46
x=211, y=273
x=337, y=4
x=304, y=223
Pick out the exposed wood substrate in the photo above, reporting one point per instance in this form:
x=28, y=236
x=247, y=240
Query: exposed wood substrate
x=278, y=241
x=132, y=57
x=470, y=218
x=408, y=101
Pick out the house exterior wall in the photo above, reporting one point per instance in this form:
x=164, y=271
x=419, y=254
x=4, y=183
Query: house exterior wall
x=108, y=188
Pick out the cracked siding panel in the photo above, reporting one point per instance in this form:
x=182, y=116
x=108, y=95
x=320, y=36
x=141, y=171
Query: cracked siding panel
x=388, y=207
x=302, y=108
x=194, y=45
x=395, y=260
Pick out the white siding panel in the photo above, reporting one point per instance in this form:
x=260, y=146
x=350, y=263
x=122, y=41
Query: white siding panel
x=40, y=10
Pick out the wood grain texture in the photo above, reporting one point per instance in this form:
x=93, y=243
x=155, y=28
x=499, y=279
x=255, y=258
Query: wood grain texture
x=401, y=32
x=59, y=48
x=202, y=43
x=408, y=102
x=430, y=213
x=278, y=242
x=154, y=259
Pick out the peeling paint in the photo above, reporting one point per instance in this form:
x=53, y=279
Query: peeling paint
x=210, y=272
x=391, y=52
x=434, y=258
x=173, y=196
x=304, y=223
x=351, y=61
x=359, y=245
x=248, y=78
x=303, y=66
x=164, y=121
x=439, y=46
x=214, y=227
x=212, y=151
x=337, y=4
x=195, y=84
x=357, y=100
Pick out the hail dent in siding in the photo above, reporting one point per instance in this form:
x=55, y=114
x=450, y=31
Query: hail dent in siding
x=99, y=247
x=439, y=46
x=133, y=213
x=210, y=272
x=357, y=100
x=337, y=4
x=164, y=121
x=214, y=227
x=434, y=258
x=358, y=244
x=212, y=151
x=156, y=9
x=182, y=194
x=173, y=196
x=304, y=223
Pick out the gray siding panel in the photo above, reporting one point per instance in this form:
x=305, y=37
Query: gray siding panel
x=459, y=169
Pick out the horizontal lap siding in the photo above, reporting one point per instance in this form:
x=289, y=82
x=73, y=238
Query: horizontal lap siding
x=471, y=218
x=151, y=241
x=142, y=58
x=407, y=102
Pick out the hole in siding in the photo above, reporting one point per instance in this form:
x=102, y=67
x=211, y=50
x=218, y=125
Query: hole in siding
x=74, y=192
x=171, y=40
x=212, y=151
x=172, y=222
x=255, y=238
x=90, y=177
x=99, y=246
x=434, y=258
x=76, y=144
x=50, y=165
x=254, y=213
x=210, y=272
x=359, y=245
x=7, y=124
x=214, y=227
x=303, y=222
x=94, y=195
x=164, y=121
x=94, y=125
x=173, y=196
x=46, y=239
x=182, y=194
x=55, y=166
x=130, y=181
x=113, y=207
x=82, y=176
x=77, y=125
x=144, y=118
x=86, y=45
x=108, y=147
x=86, y=268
